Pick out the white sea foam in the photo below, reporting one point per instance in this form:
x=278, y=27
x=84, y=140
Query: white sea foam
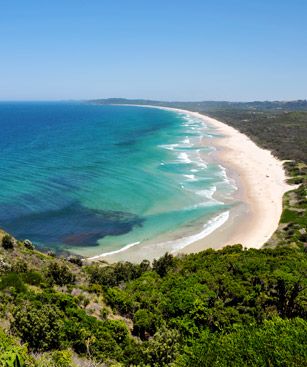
x=116, y=251
x=207, y=193
x=226, y=178
x=179, y=244
x=169, y=146
x=206, y=204
x=201, y=164
x=184, y=158
x=208, y=228
x=191, y=177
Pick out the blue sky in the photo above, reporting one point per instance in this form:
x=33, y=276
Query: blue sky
x=161, y=49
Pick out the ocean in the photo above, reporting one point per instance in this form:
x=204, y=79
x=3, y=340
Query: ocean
x=94, y=179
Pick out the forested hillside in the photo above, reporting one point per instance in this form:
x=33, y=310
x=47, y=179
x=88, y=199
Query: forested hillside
x=217, y=308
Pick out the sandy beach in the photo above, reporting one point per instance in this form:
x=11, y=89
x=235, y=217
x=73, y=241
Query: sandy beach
x=260, y=179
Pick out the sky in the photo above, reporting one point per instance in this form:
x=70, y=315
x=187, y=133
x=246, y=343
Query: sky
x=236, y=50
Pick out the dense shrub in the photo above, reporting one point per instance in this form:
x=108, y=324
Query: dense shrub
x=143, y=323
x=214, y=308
x=60, y=274
x=33, y=278
x=162, y=349
x=39, y=325
x=20, y=266
x=75, y=260
x=8, y=242
x=277, y=342
x=12, y=281
x=12, y=354
x=115, y=274
x=59, y=358
x=162, y=265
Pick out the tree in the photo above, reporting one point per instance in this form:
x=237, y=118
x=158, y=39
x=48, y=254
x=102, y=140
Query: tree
x=162, y=265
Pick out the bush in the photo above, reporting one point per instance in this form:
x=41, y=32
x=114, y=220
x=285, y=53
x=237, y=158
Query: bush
x=4, y=266
x=33, y=278
x=12, y=281
x=75, y=260
x=11, y=359
x=281, y=342
x=61, y=358
x=12, y=354
x=60, y=274
x=162, y=265
x=20, y=266
x=143, y=323
x=112, y=275
x=39, y=325
x=163, y=348
x=8, y=242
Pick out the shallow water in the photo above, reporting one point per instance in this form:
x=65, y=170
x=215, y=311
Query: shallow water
x=93, y=179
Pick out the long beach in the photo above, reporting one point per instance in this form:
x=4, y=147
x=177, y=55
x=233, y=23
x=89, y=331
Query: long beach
x=261, y=182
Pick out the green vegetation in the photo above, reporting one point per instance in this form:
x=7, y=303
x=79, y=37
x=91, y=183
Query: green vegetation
x=292, y=229
x=7, y=242
x=283, y=132
x=216, y=308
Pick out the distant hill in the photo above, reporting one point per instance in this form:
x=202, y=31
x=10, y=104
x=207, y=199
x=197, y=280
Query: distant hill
x=298, y=105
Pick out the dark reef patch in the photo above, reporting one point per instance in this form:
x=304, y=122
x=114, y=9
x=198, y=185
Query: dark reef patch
x=73, y=225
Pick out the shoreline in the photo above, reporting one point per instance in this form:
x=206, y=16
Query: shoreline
x=260, y=179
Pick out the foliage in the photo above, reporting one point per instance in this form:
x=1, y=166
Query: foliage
x=12, y=354
x=143, y=323
x=7, y=242
x=277, y=342
x=40, y=325
x=163, y=264
x=60, y=274
x=33, y=278
x=211, y=308
x=292, y=229
x=12, y=281
x=115, y=274
x=59, y=358
x=162, y=349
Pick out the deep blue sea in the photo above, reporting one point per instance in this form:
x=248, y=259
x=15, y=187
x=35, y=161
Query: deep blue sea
x=95, y=179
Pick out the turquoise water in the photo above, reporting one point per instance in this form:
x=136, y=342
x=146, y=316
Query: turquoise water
x=95, y=179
